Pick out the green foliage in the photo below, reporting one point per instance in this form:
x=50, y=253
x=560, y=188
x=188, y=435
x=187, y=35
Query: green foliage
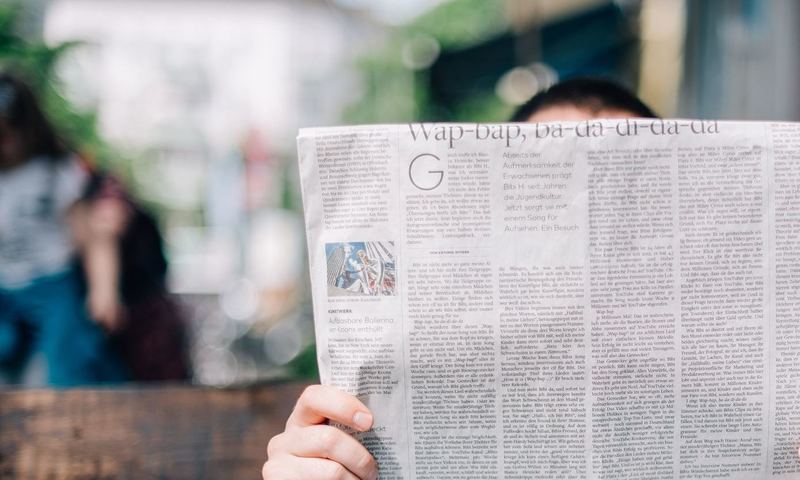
x=304, y=365
x=36, y=63
x=483, y=108
x=392, y=92
x=386, y=87
x=461, y=23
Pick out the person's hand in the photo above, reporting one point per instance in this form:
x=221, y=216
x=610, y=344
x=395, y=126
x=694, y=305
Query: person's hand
x=105, y=308
x=309, y=449
x=97, y=227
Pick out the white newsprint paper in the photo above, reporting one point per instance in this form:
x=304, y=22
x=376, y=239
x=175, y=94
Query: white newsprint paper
x=610, y=299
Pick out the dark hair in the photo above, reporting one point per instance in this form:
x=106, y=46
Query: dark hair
x=594, y=94
x=19, y=107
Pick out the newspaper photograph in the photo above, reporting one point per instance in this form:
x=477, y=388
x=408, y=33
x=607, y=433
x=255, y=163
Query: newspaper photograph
x=605, y=299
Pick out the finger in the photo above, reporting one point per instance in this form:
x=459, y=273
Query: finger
x=319, y=403
x=288, y=467
x=323, y=441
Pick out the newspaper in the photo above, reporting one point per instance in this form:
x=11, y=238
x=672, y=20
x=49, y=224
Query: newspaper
x=607, y=299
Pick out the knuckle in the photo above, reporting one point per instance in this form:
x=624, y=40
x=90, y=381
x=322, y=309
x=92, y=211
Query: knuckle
x=366, y=462
x=268, y=471
x=328, y=438
x=309, y=392
x=335, y=471
x=273, y=446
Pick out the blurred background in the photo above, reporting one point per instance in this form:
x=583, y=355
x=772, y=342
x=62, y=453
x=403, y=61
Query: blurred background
x=195, y=105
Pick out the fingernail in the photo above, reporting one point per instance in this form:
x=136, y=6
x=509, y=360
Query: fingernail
x=363, y=420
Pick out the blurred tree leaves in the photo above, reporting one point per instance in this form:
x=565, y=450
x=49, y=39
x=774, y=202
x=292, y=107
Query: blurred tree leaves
x=304, y=365
x=461, y=23
x=395, y=91
x=36, y=62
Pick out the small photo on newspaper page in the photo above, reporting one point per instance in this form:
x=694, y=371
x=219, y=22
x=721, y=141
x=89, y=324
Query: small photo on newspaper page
x=360, y=268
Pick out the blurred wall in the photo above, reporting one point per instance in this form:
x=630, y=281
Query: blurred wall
x=742, y=60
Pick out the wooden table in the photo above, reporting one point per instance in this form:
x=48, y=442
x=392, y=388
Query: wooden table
x=166, y=432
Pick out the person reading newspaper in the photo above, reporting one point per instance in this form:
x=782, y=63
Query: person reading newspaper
x=310, y=448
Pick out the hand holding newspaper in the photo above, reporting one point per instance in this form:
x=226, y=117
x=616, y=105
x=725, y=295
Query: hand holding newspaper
x=596, y=299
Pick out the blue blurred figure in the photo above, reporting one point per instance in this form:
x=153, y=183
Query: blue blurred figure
x=45, y=226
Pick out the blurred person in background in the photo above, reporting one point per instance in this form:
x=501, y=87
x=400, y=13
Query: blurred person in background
x=44, y=226
x=82, y=265
x=151, y=336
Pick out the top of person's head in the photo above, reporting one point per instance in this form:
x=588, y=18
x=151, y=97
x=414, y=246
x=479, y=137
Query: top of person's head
x=21, y=112
x=581, y=98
